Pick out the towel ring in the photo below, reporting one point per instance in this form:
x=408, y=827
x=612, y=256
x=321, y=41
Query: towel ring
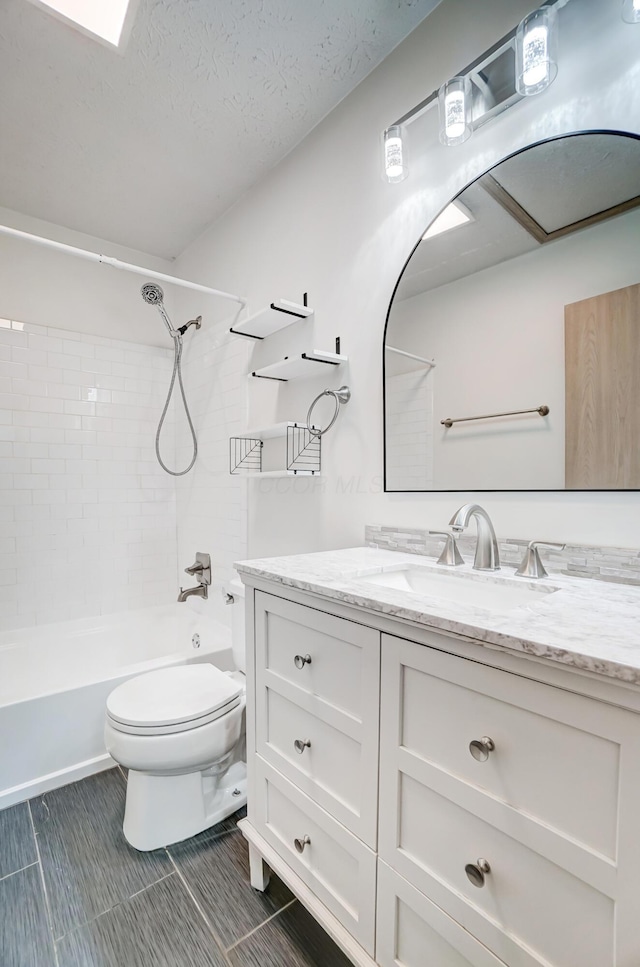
x=342, y=395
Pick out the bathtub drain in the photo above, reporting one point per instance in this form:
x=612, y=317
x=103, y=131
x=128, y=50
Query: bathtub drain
x=195, y=640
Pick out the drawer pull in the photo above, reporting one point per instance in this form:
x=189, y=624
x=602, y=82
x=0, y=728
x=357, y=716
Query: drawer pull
x=480, y=748
x=477, y=872
x=301, y=843
x=301, y=660
x=301, y=744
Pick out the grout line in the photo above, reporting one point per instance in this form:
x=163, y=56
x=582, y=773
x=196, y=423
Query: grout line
x=143, y=890
x=21, y=870
x=104, y=913
x=44, y=887
x=263, y=924
x=197, y=905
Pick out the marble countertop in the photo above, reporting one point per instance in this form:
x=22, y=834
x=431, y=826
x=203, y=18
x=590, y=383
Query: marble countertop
x=586, y=624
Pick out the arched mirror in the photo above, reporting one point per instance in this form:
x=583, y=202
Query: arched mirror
x=512, y=346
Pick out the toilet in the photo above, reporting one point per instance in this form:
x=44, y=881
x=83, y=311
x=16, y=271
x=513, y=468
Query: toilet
x=180, y=733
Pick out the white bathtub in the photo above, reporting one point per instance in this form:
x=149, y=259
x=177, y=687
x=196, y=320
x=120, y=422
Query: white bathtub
x=54, y=682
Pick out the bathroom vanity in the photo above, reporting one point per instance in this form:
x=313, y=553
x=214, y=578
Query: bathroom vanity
x=444, y=765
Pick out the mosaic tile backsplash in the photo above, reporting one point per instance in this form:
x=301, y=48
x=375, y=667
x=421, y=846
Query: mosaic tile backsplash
x=620, y=565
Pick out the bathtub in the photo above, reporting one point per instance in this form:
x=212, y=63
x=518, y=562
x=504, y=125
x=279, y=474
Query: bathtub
x=55, y=679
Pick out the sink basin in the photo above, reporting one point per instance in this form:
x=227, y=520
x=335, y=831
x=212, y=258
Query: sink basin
x=488, y=592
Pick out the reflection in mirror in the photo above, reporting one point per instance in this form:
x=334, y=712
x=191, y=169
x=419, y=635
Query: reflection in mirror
x=512, y=347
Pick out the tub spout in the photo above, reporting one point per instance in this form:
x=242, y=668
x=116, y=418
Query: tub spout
x=201, y=591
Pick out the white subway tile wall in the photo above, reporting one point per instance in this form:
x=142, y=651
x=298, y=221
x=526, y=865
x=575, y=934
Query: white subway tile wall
x=87, y=517
x=409, y=417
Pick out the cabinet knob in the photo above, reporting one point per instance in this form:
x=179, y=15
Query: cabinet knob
x=480, y=748
x=301, y=744
x=301, y=660
x=301, y=843
x=477, y=872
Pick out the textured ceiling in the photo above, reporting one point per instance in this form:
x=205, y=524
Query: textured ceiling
x=145, y=146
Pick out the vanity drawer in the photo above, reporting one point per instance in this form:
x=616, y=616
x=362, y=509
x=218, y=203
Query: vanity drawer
x=411, y=931
x=553, y=808
x=529, y=912
x=334, y=864
x=344, y=666
x=557, y=754
x=335, y=762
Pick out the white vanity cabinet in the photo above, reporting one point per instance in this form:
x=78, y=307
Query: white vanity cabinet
x=437, y=804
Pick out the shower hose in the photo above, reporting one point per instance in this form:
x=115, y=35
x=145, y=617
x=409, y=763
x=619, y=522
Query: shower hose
x=177, y=370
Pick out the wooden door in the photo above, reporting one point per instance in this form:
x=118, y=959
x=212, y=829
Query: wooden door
x=602, y=391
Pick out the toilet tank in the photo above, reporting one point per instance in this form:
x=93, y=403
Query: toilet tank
x=236, y=588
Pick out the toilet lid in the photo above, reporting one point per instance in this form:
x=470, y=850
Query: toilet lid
x=173, y=697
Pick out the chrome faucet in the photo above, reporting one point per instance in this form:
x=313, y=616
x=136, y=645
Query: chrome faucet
x=201, y=591
x=202, y=570
x=487, y=555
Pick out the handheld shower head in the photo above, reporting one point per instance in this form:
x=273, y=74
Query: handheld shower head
x=152, y=294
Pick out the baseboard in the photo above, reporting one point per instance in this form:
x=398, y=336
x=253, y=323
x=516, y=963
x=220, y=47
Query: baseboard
x=36, y=787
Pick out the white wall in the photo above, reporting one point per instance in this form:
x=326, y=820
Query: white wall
x=497, y=337
x=326, y=222
x=87, y=516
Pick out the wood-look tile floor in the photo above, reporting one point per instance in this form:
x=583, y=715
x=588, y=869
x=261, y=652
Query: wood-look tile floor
x=73, y=893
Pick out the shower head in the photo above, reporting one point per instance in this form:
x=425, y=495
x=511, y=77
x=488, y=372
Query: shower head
x=152, y=294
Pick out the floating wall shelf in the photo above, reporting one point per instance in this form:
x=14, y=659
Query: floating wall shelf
x=279, y=314
x=298, y=367
x=303, y=451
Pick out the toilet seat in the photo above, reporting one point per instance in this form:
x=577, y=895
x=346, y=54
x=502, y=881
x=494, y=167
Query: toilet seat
x=172, y=700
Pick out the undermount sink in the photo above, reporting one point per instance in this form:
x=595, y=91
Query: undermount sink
x=484, y=591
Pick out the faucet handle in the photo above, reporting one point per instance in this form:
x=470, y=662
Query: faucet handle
x=531, y=565
x=201, y=568
x=451, y=556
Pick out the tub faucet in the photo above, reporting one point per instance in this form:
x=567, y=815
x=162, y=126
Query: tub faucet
x=487, y=555
x=201, y=591
x=202, y=571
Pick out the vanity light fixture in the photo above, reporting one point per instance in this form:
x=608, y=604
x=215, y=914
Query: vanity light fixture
x=395, y=154
x=522, y=63
x=454, y=108
x=631, y=11
x=536, y=59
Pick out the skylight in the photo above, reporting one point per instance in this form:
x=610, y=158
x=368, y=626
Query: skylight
x=102, y=18
x=453, y=216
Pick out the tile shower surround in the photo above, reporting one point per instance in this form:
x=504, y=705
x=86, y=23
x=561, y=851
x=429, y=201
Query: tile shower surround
x=87, y=517
x=409, y=398
x=211, y=503
x=73, y=893
x=617, y=564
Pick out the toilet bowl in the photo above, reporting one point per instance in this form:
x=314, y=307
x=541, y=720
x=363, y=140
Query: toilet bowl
x=179, y=732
